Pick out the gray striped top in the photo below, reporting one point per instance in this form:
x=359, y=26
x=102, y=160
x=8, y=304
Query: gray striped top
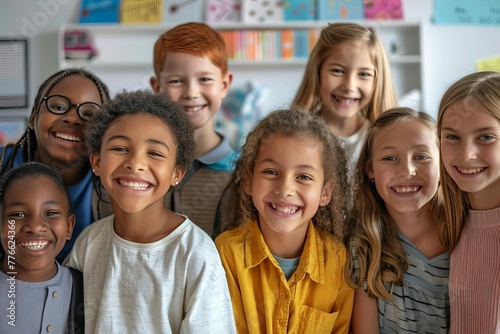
x=421, y=304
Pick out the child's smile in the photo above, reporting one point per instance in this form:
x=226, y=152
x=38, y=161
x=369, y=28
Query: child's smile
x=288, y=185
x=136, y=166
x=134, y=185
x=284, y=209
x=42, y=224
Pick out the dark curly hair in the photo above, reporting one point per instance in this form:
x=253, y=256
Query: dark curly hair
x=296, y=122
x=145, y=102
x=28, y=139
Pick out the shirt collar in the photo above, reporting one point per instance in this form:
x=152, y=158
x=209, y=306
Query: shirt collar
x=312, y=260
x=218, y=153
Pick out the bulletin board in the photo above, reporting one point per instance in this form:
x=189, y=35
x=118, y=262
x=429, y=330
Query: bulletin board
x=13, y=73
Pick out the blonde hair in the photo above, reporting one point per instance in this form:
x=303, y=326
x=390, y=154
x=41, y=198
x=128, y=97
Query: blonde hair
x=294, y=122
x=377, y=254
x=331, y=38
x=481, y=88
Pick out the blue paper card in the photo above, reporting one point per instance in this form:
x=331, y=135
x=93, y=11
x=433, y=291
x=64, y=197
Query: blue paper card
x=298, y=10
x=99, y=11
x=340, y=9
x=467, y=12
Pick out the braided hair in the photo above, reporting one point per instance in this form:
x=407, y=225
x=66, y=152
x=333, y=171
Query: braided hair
x=28, y=139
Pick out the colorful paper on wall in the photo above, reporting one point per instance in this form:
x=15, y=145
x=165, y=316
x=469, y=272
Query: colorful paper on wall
x=223, y=10
x=262, y=11
x=183, y=11
x=478, y=12
x=340, y=9
x=488, y=64
x=141, y=11
x=299, y=10
x=383, y=9
x=99, y=11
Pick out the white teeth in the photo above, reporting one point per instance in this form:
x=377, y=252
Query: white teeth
x=134, y=185
x=192, y=109
x=67, y=137
x=345, y=101
x=34, y=245
x=285, y=209
x=470, y=171
x=406, y=190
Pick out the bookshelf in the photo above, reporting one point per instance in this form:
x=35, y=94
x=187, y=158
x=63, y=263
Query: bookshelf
x=111, y=40
x=123, y=49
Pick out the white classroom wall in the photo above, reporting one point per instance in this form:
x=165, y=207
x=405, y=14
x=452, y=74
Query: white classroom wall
x=448, y=52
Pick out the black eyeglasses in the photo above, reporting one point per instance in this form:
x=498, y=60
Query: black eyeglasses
x=60, y=105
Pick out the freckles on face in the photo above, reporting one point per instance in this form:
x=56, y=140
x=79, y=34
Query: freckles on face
x=196, y=84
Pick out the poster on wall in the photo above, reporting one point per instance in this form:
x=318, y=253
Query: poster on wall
x=13, y=73
x=466, y=12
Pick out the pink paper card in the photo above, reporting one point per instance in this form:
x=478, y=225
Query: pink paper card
x=383, y=9
x=223, y=10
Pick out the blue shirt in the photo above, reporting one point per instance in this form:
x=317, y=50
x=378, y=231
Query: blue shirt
x=35, y=307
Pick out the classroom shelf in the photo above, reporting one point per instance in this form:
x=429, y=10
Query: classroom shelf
x=113, y=41
x=125, y=54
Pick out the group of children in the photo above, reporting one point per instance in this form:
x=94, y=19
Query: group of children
x=343, y=213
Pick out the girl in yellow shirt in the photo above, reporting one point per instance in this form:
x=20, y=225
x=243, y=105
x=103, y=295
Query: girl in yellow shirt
x=282, y=246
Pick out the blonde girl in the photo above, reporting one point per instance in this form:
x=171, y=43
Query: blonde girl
x=348, y=82
x=282, y=250
x=469, y=132
x=399, y=263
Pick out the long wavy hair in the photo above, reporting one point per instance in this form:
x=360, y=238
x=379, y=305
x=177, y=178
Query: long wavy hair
x=473, y=90
x=377, y=256
x=295, y=122
x=332, y=36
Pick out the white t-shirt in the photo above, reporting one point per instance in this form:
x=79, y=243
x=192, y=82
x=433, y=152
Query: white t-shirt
x=174, y=285
x=353, y=145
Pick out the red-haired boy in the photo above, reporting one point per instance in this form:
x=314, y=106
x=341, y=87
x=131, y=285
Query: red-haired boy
x=190, y=63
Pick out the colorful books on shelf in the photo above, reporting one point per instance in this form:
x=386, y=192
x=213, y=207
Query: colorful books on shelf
x=256, y=45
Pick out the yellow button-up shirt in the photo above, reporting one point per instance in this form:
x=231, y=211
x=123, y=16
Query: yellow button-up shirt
x=316, y=299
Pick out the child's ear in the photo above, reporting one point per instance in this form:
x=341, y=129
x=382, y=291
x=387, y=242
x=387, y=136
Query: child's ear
x=326, y=194
x=371, y=175
x=155, y=84
x=177, y=176
x=247, y=187
x=71, y=225
x=95, y=162
x=226, y=83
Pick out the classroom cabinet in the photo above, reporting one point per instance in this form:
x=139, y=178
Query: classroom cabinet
x=122, y=55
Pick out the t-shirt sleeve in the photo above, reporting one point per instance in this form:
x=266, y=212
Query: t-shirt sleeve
x=73, y=260
x=209, y=308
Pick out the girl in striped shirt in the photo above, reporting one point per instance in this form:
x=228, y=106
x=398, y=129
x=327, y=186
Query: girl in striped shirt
x=399, y=262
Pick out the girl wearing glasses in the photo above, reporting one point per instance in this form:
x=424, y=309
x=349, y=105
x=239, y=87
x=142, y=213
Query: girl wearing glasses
x=63, y=105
